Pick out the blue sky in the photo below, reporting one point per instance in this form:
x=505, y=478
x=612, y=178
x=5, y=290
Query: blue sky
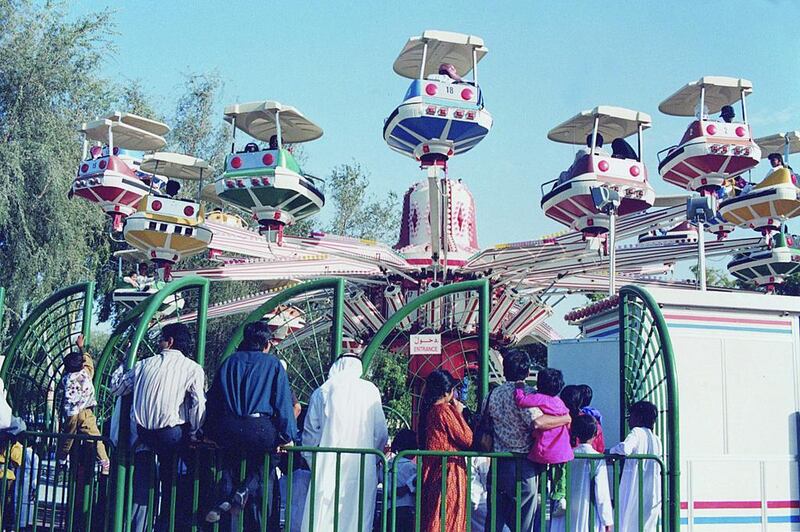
x=546, y=61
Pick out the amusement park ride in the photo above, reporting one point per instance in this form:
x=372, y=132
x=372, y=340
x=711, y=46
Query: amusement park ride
x=436, y=299
x=603, y=197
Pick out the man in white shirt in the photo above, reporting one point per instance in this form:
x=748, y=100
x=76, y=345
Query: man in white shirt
x=169, y=405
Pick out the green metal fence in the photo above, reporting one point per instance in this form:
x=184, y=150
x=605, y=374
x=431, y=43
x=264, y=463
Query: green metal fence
x=545, y=512
x=48, y=495
x=647, y=366
x=128, y=338
x=2, y=315
x=40, y=493
x=32, y=367
x=309, y=343
x=466, y=352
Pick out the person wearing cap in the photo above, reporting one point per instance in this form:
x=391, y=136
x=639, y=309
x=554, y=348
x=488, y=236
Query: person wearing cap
x=447, y=73
x=79, y=402
x=250, y=414
x=727, y=114
x=346, y=411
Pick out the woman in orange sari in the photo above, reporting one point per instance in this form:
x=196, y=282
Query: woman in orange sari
x=442, y=427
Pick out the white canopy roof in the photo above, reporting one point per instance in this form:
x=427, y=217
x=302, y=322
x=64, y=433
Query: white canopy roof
x=776, y=143
x=175, y=165
x=615, y=122
x=720, y=90
x=443, y=47
x=257, y=119
x=131, y=132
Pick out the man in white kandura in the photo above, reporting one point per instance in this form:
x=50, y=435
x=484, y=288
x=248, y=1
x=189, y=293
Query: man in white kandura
x=642, y=417
x=345, y=411
x=588, y=484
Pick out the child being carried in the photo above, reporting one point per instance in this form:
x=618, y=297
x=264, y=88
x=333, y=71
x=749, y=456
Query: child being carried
x=550, y=446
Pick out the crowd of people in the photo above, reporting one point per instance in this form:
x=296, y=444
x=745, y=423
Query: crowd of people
x=250, y=413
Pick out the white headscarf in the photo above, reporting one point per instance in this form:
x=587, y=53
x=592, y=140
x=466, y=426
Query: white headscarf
x=346, y=412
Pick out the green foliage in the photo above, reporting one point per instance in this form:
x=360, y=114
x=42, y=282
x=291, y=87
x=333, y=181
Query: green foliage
x=196, y=125
x=789, y=287
x=134, y=99
x=48, y=86
x=596, y=296
x=715, y=277
x=389, y=372
x=357, y=213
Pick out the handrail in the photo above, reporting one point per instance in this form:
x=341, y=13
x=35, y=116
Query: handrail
x=337, y=284
x=145, y=312
x=2, y=314
x=76, y=496
x=484, y=302
x=669, y=149
x=671, y=383
x=547, y=183
x=86, y=287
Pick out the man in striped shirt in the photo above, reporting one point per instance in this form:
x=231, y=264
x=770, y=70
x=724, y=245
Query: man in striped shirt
x=169, y=405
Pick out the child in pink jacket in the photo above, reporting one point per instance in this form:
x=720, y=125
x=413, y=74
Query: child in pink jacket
x=550, y=446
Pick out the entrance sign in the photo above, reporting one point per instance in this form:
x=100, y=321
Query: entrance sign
x=426, y=344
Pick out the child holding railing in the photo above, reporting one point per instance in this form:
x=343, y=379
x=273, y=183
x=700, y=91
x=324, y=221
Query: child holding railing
x=78, y=403
x=550, y=446
x=642, y=417
x=599, y=443
x=586, y=475
x=406, y=481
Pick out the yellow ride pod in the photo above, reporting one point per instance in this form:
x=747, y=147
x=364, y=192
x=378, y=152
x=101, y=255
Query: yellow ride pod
x=767, y=205
x=773, y=200
x=167, y=229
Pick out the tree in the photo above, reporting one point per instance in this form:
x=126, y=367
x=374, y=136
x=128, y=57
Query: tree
x=789, y=287
x=48, y=86
x=715, y=277
x=196, y=125
x=389, y=372
x=134, y=99
x=356, y=213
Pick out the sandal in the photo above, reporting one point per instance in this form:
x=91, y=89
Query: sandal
x=215, y=514
x=239, y=500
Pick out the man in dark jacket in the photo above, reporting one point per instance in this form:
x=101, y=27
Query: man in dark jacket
x=250, y=414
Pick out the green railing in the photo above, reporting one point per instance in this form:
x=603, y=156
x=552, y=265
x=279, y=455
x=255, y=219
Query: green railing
x=480, y=337
x=124, y=345
x=647, y=365
x=544, y=511
x=285, y=296
x=32, y=368
x=2, y=315
x=47, y=495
